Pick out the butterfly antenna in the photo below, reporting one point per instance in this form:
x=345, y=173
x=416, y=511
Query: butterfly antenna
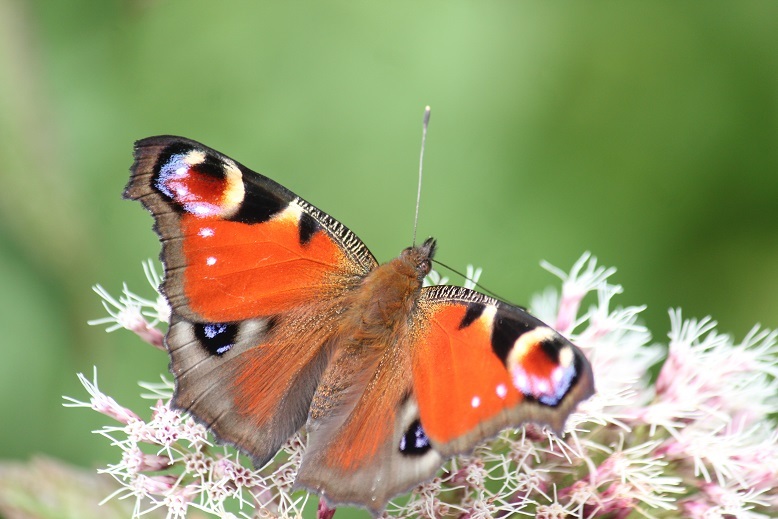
x=475, y=283
x=421, y=164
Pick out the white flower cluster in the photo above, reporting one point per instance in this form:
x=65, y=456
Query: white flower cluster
x=170, y=462
x=697, y=439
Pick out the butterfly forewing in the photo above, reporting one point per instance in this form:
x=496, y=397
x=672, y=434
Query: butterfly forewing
x=237, y=245
x=481, y=365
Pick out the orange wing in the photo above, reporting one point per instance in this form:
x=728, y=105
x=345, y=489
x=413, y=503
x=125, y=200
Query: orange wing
x=481, y=365
x=236, y=244
x=255, y=277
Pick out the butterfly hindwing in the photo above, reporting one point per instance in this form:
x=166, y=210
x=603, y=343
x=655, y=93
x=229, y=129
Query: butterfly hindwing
x=238, y=378
x=365, y=442
x=255, y=277
x=481, y=365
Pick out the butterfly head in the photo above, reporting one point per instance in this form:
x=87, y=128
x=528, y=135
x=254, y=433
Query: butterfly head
x=421, y=256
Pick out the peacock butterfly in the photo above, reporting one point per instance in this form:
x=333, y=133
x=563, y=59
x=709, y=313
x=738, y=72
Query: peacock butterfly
x=282, y=318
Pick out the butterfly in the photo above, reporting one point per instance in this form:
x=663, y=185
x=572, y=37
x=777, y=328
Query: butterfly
x=282, y=318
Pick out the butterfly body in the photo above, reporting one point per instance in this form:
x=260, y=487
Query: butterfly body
x=282, y=318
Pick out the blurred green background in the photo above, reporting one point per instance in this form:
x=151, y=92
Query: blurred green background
x=646, y=133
